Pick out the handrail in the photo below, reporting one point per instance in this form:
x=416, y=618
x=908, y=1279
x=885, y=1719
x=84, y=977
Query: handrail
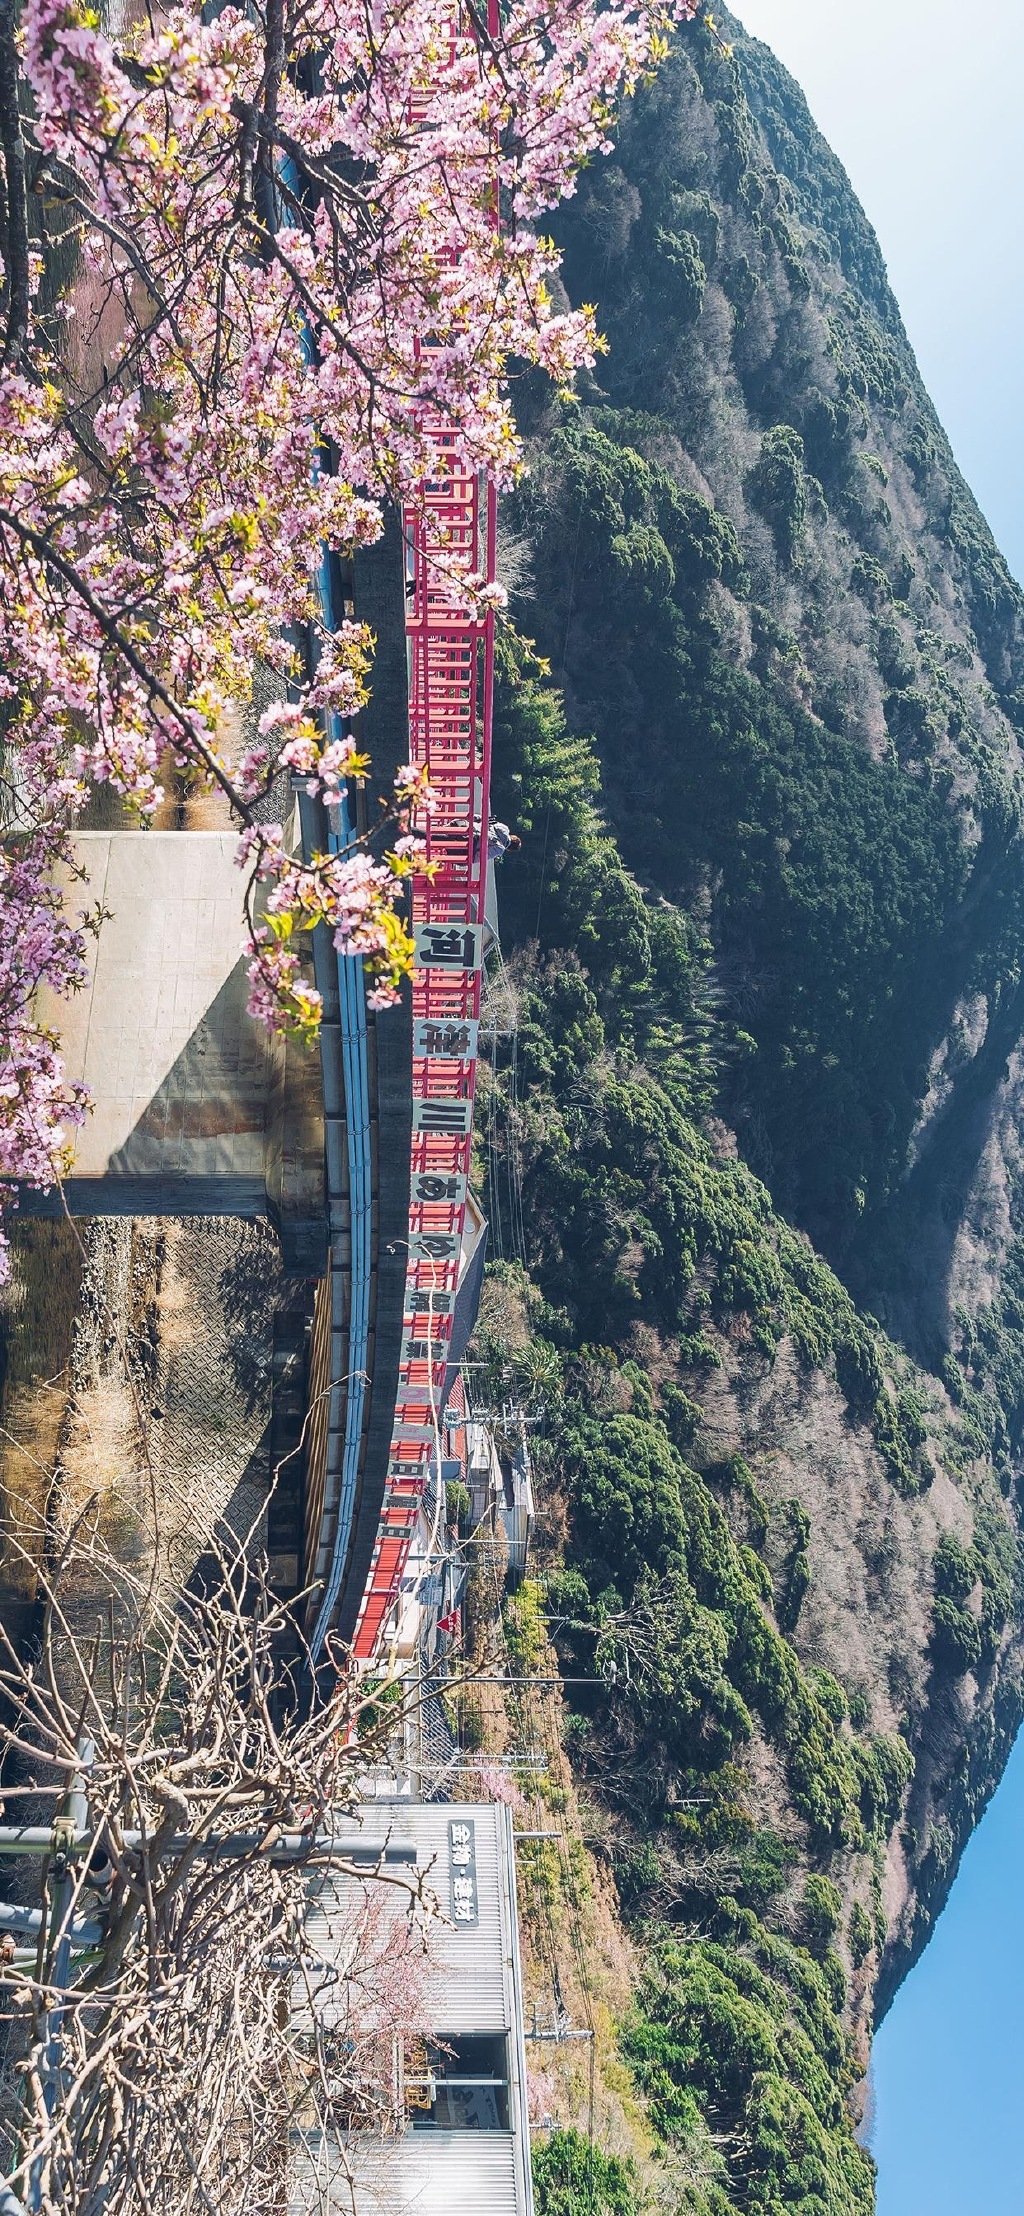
x=450, y=724
x=355, y=1074
x=452, y=522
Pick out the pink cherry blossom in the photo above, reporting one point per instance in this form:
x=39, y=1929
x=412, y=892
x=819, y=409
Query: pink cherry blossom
x=280, y=293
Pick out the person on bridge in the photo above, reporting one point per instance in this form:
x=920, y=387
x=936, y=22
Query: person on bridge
x=499, y=839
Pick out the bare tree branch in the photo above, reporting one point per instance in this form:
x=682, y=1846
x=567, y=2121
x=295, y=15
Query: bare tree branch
x=207, y=2027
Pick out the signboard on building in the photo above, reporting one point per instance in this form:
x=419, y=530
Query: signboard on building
x=448, y=946
x=446, y=1038
x=442, y=1119
x=465, y=1898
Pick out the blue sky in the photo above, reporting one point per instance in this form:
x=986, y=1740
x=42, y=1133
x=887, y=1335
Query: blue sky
x=948, y=2059
x=921, y=100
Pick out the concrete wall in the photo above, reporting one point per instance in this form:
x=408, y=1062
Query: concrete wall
x=196, y=1111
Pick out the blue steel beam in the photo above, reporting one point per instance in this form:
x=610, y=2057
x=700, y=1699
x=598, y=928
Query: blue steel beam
x=343, y=1450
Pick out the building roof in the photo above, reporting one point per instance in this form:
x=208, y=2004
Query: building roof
x=472, y=1989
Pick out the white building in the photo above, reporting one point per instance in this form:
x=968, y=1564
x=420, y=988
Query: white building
x=460, y=2142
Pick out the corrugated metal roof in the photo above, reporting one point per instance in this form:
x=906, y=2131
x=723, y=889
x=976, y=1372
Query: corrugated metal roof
x=473, y=1984
x=469, y=1983
x=427, y=2173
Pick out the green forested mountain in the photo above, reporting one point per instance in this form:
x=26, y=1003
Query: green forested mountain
x=754, y=1168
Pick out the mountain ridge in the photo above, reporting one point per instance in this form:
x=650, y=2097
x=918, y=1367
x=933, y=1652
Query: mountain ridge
x=762, y=937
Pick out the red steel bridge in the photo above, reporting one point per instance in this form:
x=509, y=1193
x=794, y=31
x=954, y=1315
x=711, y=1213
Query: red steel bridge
x=451, y=683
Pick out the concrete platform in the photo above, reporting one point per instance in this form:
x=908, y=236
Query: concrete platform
x=196, y=1111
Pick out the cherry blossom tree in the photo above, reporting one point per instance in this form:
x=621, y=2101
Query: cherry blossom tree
x=258, y=269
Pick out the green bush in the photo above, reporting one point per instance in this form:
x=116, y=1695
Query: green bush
x=953, y=1569
x=683, y=1418
x=797, y=1572
x=765, y=1862
x=642, y=1519
x=900, y=1431
x=859, y=1708
x=755, y=2040
x=636, y=1866
x=821, y=1912
x=884, y=1767
x=777, y=486
x=683, y=273
x=573, y=2178
x=956, y=1636
x=458, y=1507
x=861, y=1934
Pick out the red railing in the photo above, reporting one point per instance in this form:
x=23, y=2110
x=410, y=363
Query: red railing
x=452, y=530
x=451, y=654
x=451, y=673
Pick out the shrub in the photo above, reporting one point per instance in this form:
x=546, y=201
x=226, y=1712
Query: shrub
x=749, y=2033
x=821, y=1910
x=956, y=1636
x=682, y=273
x=573, y=2178
x=861, y=1934
x=636, y=1866
x=458, y=1507
x=797, y=1573
x=765, y=1862
x=859, y=1708
x=953, y=1569
x=525, y=1625
x=884, y=1767
x=777, y=486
